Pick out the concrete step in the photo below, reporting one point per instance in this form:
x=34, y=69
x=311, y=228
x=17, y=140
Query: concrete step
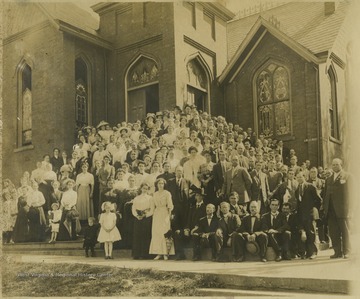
x=75, y=248
x=231, y=293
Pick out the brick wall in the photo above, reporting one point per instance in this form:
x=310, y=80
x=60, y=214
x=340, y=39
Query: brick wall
x=47, y=96
x=239, y=95
x=130, y=33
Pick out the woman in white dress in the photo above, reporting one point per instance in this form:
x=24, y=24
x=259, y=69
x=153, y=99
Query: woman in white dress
x=85, y=188
x=161, y=205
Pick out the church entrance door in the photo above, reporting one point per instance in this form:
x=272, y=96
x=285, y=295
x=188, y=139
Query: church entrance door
x=142, y=101
x=197, y=97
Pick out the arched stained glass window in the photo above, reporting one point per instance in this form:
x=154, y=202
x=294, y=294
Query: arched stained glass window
x=25, y=106
x=333, y=106
x=273, y=101
x=81, y=93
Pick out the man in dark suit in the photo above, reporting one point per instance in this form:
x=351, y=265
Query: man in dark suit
x=284, y=152
x=274, y=225
x=179, y=189
x=337, y=209
x=308, y=205
x=286, y=191
x=166, y=175
x=251, y=230
x=292, y=231
x=219, y=171
x=205, y=233
x=56, y=161
x=196, y=212
x=227, y=234
x=260, y=187
x=274, y=176
x=238, y=179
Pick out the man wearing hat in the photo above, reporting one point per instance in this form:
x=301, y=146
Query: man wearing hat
x=196, y=212
x=227, y=234
x=255, y=240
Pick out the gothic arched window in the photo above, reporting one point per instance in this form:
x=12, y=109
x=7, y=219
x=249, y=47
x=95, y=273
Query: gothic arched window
x=25, y=106
x=81, y=93
x=333, y=106
x=273, y=101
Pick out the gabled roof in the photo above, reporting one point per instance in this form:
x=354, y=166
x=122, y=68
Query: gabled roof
x=70, y=18
x=304, y=22
x=250, y=42
x=71, y=14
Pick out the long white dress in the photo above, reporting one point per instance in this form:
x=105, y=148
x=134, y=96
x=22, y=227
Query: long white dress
x=84, y=203
x=162, y=205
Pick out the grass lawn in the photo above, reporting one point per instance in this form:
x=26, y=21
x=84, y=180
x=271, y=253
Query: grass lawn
x=50, y=280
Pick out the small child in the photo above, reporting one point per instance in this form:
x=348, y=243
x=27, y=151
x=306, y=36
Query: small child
x=8, y=216
x=108, y=232
x=90, y=235
x=54, y=219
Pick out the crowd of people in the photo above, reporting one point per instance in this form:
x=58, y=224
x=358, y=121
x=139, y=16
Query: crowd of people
x=176, y=179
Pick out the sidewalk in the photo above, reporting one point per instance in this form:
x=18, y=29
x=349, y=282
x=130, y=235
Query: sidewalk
x=319, y=275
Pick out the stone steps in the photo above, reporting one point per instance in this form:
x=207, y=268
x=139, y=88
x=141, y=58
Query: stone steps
x=74, y=248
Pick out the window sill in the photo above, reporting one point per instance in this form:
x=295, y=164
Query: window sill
x=24, y=148
x=337, y=141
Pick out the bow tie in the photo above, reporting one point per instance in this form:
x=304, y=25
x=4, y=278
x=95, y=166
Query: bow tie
x=209, y=217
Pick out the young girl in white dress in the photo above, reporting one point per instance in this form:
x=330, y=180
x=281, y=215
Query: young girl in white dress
x=108, y=233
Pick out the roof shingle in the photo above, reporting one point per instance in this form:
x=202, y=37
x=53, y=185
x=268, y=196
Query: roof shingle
x=304, y=22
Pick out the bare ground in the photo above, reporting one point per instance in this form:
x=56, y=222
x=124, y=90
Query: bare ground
x=50, y=280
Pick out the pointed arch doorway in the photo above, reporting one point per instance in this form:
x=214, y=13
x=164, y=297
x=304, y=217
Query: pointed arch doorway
x=198, y=82
x=142, y=88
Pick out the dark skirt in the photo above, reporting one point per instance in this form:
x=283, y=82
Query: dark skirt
x=141, y=237
x=127, y=226
x=36, y=226
x=21, y=228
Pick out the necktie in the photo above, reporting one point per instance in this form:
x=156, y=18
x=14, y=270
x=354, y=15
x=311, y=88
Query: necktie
x=273, y=217
x=253, y=218
x=198, y=205
x=223, y=167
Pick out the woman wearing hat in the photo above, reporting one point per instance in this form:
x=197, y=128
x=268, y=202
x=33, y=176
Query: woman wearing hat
x=103, y=131
x=149, y=124
x=85, y=188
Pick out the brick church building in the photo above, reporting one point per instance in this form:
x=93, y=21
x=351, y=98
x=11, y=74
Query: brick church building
x=281, y=70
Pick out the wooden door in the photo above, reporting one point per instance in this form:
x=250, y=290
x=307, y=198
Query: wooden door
x=137, y=105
